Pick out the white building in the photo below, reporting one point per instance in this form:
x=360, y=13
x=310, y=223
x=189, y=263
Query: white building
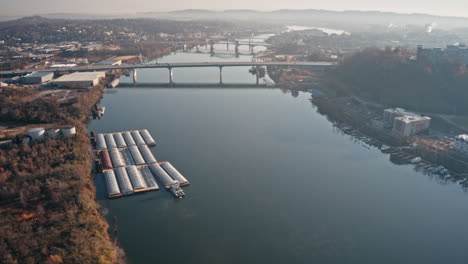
x=113, y=62
x=405, y=126
x=404, y=123
x=80, y=79
x=38, y=77
x=390, y=114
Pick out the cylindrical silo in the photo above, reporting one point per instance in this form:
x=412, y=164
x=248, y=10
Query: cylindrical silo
x=68, y=131
x=37, y=133
x=53, y=133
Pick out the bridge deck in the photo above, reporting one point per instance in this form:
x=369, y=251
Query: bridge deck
x=173, y=65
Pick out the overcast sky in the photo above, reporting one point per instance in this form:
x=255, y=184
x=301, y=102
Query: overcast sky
x=28, y=7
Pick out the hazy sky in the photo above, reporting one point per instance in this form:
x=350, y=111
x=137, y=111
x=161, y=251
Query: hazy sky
x=28, y=7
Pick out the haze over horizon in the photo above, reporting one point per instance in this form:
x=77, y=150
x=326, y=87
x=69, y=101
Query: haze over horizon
x=33, y=7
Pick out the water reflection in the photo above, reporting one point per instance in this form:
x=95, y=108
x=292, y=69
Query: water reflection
x=397, y=156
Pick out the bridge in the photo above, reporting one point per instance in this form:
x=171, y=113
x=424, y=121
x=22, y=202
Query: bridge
x=316, y=66
x=251, y=43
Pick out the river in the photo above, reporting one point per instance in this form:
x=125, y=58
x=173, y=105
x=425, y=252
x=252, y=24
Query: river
x=272, y=181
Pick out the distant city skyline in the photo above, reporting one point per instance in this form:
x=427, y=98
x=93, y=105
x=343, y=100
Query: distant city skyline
x=32, y=7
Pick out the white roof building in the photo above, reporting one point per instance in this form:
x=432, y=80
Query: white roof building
x=80, y=79
x=38, y=77
x=405, y=123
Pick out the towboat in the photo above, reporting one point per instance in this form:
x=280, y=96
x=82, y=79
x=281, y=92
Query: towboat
x=176, y=190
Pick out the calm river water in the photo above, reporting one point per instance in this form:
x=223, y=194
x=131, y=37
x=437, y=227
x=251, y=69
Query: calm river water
x=271, y=182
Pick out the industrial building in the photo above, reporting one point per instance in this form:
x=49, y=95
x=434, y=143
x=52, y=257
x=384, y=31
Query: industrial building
x=390, y=114
x=456, y=53
x=404, y=123
x=80, y=79
x=112, y=62
x=405, y=126
x=38, y=77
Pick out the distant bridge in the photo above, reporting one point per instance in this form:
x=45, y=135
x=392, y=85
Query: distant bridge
x=316, y=66
x=251, y=43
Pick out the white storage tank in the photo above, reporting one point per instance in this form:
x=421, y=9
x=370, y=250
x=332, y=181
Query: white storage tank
x=147, y=137
x=128, y=139
x=174, y=173
x=116, y=157
x=26, y=139
x=136, y=155
x=100, y=142
x=110, y=141
x=37, y=133
x=68, y=131
x=53, y=133
x=136, y=178
x=113, y=189
x=124, y=182
x=119, y=140
x=137, y=137
x=161, y=175
x=147, y=154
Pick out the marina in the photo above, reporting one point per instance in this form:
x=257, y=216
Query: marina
x=129, y=166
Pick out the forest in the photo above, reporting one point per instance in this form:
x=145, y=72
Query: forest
x=48, y=212
x=391, y=77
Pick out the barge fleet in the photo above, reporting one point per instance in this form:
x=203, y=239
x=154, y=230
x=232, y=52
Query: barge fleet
x=128, y=165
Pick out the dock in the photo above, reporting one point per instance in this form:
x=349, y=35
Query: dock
x=129, y=166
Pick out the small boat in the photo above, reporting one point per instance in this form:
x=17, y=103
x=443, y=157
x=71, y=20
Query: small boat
x=416, y=160
x=100, y=110
x=176, y=190
x=385, y=147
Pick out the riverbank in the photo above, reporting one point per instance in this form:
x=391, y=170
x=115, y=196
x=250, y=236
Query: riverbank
x=48, y=210
x=364, y=118
x=356, y=117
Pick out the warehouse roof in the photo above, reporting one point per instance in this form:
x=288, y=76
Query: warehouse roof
x=38, y=74
x=80, y=76
x=410, y=119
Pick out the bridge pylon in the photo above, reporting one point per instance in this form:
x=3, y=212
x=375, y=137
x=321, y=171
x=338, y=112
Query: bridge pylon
x=171, y=76
x=134, y=77
x=220, y=74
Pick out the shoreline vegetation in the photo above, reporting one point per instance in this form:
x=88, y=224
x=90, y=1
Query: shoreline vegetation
x=355, y=93
x=48, y=210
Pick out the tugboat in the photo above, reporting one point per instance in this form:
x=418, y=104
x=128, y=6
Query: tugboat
x=176, y=190
x=98, y=111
